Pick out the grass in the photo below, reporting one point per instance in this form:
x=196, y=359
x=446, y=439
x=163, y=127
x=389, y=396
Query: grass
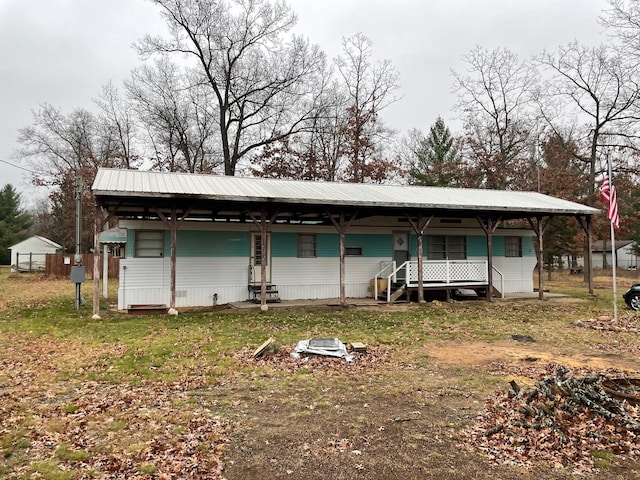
x=140, y=372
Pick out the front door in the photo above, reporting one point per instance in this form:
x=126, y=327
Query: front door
x=256, y=259
x=401, y=253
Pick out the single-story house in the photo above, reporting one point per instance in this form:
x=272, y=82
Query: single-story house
x=30, y=255
x=194, y=240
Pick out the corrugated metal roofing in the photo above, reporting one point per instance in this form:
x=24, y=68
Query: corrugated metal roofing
x=134, y=183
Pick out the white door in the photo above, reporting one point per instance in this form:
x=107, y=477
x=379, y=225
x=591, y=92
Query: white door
x=256, y=258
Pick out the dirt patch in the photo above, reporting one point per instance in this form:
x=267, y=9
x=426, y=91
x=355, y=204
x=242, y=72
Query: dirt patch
x=483, y=355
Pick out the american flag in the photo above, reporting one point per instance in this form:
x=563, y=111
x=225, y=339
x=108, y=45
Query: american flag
x=608, y=194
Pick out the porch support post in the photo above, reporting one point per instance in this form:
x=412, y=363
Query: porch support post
x=419, y=226
x=585, y=223
x=538, y=224
x=263, y=223
x=342, y=224
x=173, y=225
x=489, y=226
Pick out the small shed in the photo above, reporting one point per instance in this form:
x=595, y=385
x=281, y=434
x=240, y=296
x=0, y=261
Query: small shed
x=624, y=254
x=30, y=254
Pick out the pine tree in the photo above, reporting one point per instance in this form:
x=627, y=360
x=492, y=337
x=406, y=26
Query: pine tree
x=436, y=158
x=14, y=222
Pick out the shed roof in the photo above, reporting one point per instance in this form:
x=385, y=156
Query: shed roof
x=36, y=239
x=113, y=186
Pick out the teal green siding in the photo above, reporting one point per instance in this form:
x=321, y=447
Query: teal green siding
x=498, y=247
x=476, y=246
x=528, y=248
x=284, y=244
x=373, y=245
x=129, y=249
x=192, y=243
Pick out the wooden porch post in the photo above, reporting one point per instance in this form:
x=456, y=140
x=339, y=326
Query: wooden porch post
x=539, y=225
x=585, y=223
x=419, y=227
x=173, y=225
x=489, y=226
x=342, y=224
x=263, y=228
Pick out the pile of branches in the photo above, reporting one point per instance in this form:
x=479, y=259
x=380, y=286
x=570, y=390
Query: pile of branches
x=563, y=420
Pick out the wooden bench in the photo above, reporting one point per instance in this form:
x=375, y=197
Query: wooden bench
x=575, y=270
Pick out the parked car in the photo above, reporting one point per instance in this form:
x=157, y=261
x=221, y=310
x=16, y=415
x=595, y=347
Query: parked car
x=632, y=297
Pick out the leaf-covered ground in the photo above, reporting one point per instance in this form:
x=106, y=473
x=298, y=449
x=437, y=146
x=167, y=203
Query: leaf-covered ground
x=182, y=397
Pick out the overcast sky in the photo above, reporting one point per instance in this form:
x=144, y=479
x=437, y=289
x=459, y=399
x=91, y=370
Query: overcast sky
x=62, y=51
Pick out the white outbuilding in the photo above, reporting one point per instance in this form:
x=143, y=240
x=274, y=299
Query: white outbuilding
x=30, y=254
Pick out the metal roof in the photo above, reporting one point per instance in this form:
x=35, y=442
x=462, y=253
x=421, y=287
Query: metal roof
x=134, y=184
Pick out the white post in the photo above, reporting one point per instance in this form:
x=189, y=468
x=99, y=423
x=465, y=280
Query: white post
x=105, y=270
x=613, y=245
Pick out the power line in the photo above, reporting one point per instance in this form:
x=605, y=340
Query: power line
x=18, y=166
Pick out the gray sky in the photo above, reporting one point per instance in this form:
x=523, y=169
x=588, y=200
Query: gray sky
x=62, y=51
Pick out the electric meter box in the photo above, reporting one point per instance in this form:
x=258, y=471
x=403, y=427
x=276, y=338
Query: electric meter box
x=77, y=274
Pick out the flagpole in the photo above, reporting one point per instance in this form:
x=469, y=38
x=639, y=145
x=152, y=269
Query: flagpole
x=613, y=246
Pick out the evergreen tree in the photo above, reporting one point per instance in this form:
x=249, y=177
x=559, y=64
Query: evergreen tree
x=14, y=222
x=436, y=158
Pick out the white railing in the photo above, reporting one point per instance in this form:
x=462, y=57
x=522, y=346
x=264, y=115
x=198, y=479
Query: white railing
x=463, y=272
x=390, y=267
x=436, y=273
x=495, y=270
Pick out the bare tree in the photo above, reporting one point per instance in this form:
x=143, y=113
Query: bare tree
x=370, y=87
x=57, y=143
x=264, y=83
x=116, y=119
x=590, y=99
x=494, y=99
x=176, y=115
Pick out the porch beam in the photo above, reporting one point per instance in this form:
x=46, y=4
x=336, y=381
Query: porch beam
x=342, y=224
x=489, y=226
x=419, y=226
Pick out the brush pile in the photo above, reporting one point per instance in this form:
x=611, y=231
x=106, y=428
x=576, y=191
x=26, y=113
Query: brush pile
x=564, y=421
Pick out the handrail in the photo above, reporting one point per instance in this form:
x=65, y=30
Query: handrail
x=379, y=275
x=493, y=267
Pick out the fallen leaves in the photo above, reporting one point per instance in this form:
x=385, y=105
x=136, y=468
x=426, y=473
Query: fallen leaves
x=562, y=420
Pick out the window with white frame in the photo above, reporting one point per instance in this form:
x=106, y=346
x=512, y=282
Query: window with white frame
x=149, y=243
x=513, y=246
x=307, y=245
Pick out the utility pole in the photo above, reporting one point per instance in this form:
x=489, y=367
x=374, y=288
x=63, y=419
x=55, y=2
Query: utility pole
x=77, y=271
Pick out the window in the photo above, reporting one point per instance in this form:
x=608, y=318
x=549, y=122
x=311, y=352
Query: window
x=307, y=245
x=353, y=251
x=149, y=243
x=440, y=247
x=117, y=251
x=513, y=246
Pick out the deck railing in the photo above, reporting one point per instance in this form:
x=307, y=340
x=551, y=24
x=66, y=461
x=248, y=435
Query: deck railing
x=445, y=273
